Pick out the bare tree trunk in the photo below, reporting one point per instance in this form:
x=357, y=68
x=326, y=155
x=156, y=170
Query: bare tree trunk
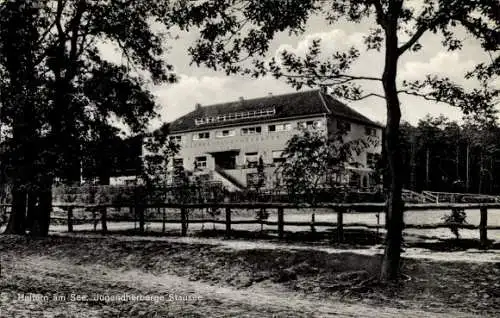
x=31, y=210
x=41, y=222
x=392, y=255
x=17, y=219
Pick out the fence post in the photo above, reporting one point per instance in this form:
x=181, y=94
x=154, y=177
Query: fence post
x=95, y=219
x=313, y=219
x=139, y=198
x=183, y=222
x=281, y=223
x=163, y=218
x=70, y=219
x=340, y=225
x=140, y=209
x=228, y=222
x=483, y=232
x=104, y=217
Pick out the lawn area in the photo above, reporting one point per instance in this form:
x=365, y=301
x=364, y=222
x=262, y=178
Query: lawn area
x=214, y=280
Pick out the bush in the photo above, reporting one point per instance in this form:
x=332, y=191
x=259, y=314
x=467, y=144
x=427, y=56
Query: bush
x=456, y=217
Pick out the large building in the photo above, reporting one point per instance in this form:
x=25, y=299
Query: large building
x=225, y=141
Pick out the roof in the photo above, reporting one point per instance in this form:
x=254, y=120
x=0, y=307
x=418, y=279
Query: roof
x=299, y=104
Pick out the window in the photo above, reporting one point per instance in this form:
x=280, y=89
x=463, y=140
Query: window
x=280, y=127
x=225, y=133
x=310, y=124
x=370, y=131
x=234, y=116
x=200, y=162
x=178, y=162
x=343, y=125
x=201, y=136
x=251, y=130
x=278, y=156
x=318, y=124
x=176, y=139
x=371, y=159
x=251, y=159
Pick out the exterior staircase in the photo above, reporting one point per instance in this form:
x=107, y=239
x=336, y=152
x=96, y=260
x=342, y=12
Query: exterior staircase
x=228, y=181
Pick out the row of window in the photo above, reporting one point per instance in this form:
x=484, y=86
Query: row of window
x=199, y=162
x=246, y=131
x=235, y=116
x=252, y=158
x=257, y=130
x=346, y=126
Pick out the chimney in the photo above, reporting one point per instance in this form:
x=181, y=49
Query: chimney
x=197, y=106
x=241, y=98
x=269, y=94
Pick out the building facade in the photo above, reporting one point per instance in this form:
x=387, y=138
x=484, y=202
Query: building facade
x=224, y=142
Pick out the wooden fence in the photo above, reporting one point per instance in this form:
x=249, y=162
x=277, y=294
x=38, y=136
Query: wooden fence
x=339, y=208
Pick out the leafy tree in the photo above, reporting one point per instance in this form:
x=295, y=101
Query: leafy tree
x=60, y=92
x=20, y=96
x=261, y=176
x=314, y=161
x=158, y=153
x=437, y=154
x=235, y=36
x=259, y=184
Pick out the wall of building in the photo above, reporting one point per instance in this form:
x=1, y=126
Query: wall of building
x=264, y=143
x=358, y=131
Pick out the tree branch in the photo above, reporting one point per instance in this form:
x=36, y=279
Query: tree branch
x=345, y=77
x=74, y=25
x=413, y=39
x=381, y=18
x=424, y=96
x=369, y=95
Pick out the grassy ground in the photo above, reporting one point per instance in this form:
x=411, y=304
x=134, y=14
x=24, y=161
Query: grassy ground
x=215, y=281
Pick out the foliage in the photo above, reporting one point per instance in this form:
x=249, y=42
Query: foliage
x=59, y=95
x=235, y=34
x=159, y=151
x=456, y=217
x=261, y=175
x=314, y=161
x=438, y=148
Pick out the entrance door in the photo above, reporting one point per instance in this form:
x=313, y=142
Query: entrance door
x=225, y=160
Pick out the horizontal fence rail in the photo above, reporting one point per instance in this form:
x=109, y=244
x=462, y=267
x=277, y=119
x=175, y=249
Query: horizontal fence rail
x=351, y=207
x=100, y=215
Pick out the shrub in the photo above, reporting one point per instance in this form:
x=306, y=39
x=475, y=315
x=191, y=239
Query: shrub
x=456, y=217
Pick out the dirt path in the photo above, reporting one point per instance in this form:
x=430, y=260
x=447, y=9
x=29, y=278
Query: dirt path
x=46, y=276
x=474, y=256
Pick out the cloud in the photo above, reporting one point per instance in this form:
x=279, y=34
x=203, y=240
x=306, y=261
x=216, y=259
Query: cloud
x=332, y=41
x=444, y=63
x=211, y=88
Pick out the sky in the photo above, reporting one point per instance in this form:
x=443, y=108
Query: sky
x=204, y=86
